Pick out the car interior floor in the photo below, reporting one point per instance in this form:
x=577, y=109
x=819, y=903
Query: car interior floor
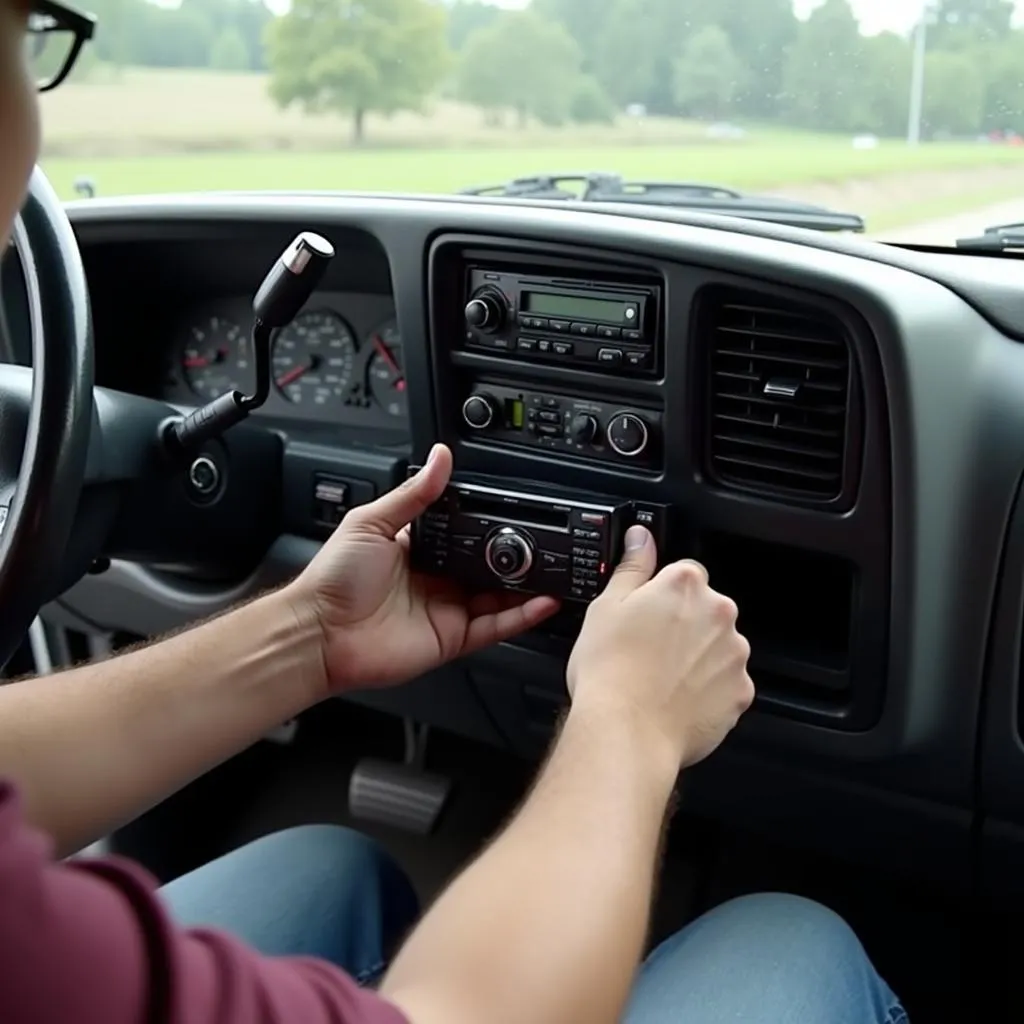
x=935, y=950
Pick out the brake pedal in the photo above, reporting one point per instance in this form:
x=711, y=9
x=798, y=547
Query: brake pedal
x=400, y=795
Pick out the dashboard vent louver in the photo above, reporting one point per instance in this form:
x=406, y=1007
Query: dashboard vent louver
x=779, y=376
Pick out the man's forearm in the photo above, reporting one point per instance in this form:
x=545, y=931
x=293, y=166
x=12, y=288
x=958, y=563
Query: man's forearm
x=93, y=747
x=548, y=925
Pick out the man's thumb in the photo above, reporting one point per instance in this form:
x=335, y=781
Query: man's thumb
x=396, y=509
x=639, y=560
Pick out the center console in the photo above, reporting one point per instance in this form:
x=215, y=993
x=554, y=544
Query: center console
x=582, y=392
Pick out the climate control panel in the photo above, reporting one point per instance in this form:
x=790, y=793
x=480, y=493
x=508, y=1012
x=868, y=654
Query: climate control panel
x=586, y=427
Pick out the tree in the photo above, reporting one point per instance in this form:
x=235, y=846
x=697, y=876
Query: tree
x=822, y=84
x=954, y=95
x=582, y=19
x=354, y=57
x=590, y=103
x=465, y=17
x=1004, y=86
x=707, y=75
x=229, y=52
x=521, y=62
x=961, y=24
x=884, y=105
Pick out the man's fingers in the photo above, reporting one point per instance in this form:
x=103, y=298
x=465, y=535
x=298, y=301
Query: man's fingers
x=498, y=617
x=396, y=509
x=639, y=560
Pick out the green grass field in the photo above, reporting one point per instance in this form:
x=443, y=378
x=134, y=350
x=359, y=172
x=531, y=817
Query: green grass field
x=139, y=132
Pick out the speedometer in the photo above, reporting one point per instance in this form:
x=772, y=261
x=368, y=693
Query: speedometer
x=313, y=358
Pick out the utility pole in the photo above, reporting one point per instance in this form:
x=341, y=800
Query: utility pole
x=917, y=77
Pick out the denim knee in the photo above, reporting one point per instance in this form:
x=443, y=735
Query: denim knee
x=769, y=957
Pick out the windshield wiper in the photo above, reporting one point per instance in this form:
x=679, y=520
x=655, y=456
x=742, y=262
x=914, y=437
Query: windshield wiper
x=603, y=187
x=995, y=239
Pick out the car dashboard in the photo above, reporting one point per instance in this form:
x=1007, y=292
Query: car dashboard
x=831, y=426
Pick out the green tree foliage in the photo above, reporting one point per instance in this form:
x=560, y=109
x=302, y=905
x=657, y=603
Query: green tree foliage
x=522, y=62
x=954, y=98
x=962, y=24
x=355, y=57
x=465, y=17
x=229, y=52
x=590, y=103
x=708, y=74
x=823, y=82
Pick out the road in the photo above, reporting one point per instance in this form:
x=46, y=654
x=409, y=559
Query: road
x=947, y=230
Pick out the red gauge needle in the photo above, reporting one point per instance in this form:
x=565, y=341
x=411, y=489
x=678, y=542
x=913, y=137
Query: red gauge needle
x=293, y=375
x=388, y=356
x=198, y=362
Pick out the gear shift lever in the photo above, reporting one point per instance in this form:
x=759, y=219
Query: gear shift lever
x=285, y=290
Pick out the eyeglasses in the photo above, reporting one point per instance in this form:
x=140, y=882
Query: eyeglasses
x=55, y=37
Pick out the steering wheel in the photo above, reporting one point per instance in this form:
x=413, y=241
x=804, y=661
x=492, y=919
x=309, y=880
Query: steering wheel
x=45, y=415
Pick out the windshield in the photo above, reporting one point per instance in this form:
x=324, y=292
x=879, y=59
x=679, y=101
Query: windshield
x=908, y=114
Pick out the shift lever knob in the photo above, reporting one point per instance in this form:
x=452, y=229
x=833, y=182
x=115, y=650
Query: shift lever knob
x=291, y=280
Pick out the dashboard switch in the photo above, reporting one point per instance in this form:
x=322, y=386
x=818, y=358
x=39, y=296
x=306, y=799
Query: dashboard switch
x=628, y=434
x=479, y=411
x=485, y=312
x=584, y=428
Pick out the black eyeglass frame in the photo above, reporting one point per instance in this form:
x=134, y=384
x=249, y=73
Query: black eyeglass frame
x=66, y=19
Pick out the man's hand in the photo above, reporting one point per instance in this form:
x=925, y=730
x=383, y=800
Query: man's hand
x=663, y=654
x=383, y=624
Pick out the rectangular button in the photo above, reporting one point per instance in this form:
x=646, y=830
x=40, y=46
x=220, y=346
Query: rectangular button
x=558, y=326
x=523, y=320
x=609, y=356
x=501, y=342
x=629, y=334
x=543, y=345
x=562, y=348
x=550, y=417
x=548, y=430
x=549, y=402
x=637, y=359
x=526, y=344
x=609, y=332
x=466, y=543
x=583, y=330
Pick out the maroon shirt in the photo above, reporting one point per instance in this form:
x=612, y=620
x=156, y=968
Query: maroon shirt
x=87, y=941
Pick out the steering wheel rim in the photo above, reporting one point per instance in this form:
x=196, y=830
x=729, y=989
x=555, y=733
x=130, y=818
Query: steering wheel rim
x=44, y=434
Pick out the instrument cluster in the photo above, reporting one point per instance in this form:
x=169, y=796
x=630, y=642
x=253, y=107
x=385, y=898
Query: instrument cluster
x=340, y=361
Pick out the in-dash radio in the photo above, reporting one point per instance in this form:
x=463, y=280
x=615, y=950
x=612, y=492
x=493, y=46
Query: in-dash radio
x=489, y=537
x=599, y=326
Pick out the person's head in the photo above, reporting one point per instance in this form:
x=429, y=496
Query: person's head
x=19, y=120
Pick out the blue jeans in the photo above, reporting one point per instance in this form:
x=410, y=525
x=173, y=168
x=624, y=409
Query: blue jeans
x=325, y=891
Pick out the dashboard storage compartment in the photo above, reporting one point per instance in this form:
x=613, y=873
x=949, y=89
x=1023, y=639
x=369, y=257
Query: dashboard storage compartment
x=796, y=609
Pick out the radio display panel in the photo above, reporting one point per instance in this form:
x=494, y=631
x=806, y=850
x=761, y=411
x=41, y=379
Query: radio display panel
x=579, y=307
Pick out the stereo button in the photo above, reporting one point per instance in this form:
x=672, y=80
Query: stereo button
x=562, y=348
x=479, y=411
x=558, y=326
x=609, y=356
x=609, y=332
x=526, y=344
x=583, y=330
x=629, y=334
x=636, y=359
x=509, y=555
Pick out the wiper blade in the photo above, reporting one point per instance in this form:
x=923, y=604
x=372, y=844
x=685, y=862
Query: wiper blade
x=995, y=239
x=607, y=187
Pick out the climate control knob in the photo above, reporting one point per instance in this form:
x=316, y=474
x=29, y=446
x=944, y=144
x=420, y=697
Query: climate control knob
x=628, y=434
x=583, y=428
x=479, y=411
x=485, y=312
x=508, y=554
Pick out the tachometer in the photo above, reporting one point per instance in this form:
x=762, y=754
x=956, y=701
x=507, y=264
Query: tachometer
x=385, y=374
x=313, y=358
x=216, y=358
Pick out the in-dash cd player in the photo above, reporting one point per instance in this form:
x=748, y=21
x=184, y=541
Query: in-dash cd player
x=488, y=537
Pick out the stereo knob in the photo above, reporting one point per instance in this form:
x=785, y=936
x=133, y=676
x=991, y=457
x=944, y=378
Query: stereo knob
x=508, y=554
x=627, y=434
x=583, y=428
x=479, y=411
x=485, y=313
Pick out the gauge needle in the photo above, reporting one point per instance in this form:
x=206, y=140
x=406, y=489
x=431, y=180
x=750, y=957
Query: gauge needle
x=293, y=374
x=386, y=354
x=198, y=362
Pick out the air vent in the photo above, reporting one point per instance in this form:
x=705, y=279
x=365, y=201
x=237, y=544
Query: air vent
x=779, y=395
